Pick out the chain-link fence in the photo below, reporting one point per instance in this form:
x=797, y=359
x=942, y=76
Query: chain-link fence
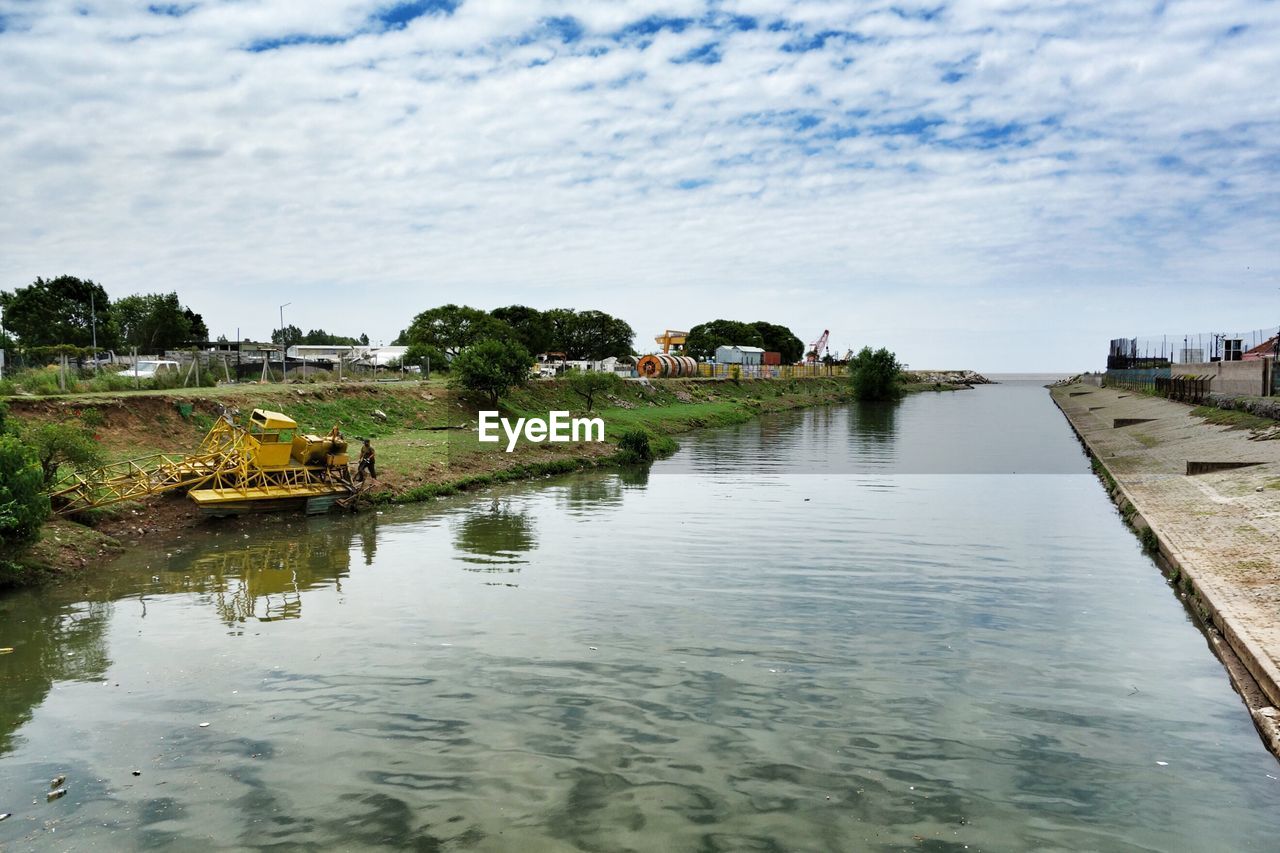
x=1190, y=348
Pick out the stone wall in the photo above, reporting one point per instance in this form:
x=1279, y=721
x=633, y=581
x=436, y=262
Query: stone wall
x=1231, y=377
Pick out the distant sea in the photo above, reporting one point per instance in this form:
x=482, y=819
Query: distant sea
x=1026, y=377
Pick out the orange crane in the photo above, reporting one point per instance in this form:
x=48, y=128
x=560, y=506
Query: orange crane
x=818, y=348
x=671, y=338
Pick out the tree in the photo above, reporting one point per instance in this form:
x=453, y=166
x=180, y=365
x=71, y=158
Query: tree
x=780, y=339
x=319, y=337
x=56, y=444
x=23, y=504
x=427, y=358
x=196, y=328
x=453, y=328
x=491, y=367
x=588, y=383
x=705, y=337
x=59, y=311
x=875, y=375
x=155, y=322
x=588, y=335
x=531, y=326
x=287, y=337
x=364, y=339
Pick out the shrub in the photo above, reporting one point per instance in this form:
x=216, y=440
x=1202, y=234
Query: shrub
x=875, y=375
x=23, y=504
x=634, y=446
x=91, y=416
x=490, y=367
x=58, y=444
x=587, y=384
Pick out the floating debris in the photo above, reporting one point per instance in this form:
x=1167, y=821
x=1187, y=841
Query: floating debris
x=55, y=795
x=137, y=772
x=5, y=816
x=1163, y=763
x=57, y=781
x=204, y=725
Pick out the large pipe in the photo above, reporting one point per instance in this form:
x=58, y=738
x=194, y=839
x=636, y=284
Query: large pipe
x=667, y=366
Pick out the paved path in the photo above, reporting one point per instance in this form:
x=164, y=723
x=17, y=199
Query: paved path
x=1222, y=529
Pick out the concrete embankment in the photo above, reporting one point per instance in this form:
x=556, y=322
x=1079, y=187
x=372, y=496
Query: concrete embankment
x=1206, y=497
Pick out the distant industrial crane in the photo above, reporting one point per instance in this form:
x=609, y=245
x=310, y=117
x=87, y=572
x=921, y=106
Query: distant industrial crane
x=818, y=348
x=671, y=338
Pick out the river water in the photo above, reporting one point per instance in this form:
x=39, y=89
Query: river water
x=855, y=628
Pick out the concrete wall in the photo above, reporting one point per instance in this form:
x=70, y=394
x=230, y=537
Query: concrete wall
x=1231, y=377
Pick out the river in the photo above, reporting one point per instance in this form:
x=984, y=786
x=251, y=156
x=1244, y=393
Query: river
x=916, y=627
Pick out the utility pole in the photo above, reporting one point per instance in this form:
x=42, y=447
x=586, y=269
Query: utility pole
x=93, y=321
x=284, y=349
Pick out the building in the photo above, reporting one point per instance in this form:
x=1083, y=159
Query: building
x=317, y=352
x=734, y=354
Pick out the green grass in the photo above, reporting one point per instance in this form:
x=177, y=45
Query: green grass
x=1231, y=418
x=1145, y=440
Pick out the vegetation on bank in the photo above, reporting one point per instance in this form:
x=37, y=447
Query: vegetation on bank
x=424, y=433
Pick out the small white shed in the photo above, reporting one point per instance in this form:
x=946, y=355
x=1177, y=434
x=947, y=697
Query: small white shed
x=733, y=354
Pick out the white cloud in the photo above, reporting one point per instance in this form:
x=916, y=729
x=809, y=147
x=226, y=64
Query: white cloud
x=1080, y=152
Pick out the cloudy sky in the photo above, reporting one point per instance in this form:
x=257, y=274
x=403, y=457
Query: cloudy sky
x=996, y=184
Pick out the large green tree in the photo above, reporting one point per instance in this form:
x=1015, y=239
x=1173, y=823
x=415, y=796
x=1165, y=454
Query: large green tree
x=319, y=337
x=490, y=367
x=589, y=335
x=875, y=375
x=50, y=312
x=705, y=337
x=288, y=336
x=780, y=339
x=531, y=326
x=453, y=328
x=155, y=322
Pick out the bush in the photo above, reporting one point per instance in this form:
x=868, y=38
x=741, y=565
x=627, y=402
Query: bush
x=587, y=384
x=60, y=444
x=634, y=446
x=491, y=367
x=23, y=504
x=875, y=375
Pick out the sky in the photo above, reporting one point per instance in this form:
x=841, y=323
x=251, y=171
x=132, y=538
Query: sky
x=1001, y=185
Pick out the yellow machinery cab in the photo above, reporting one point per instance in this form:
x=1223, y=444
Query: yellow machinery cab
x=329, y=451
x=271, y=437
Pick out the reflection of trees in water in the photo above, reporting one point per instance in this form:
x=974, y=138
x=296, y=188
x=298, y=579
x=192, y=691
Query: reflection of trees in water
x=495, y=537
x=265, y=580
x=634, y=476
x=874, y=427
x=51, y=641
x=590, y=492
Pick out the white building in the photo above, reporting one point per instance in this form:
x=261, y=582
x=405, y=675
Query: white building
x=733, y=354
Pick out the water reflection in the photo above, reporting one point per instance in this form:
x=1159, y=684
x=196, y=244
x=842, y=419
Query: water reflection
x=494, y=537
x=634, y=476
x=590, y=493
x=264, y=580
x=52, y=641
x=874, y=428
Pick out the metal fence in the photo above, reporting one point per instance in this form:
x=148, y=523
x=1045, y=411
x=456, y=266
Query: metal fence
x=1191, y=348
x=769, y=371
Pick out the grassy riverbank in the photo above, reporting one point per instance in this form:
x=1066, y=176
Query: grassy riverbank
x=424, y=434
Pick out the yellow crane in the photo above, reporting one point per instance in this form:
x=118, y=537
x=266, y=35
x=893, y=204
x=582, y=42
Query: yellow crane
x=671, y=338
x=264, y=464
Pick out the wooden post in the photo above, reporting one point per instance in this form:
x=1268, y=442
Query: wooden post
x=62, y=373
x=226, y=370
x=137, y=383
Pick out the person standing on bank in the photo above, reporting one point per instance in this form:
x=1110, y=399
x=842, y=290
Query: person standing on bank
x=368, y=461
